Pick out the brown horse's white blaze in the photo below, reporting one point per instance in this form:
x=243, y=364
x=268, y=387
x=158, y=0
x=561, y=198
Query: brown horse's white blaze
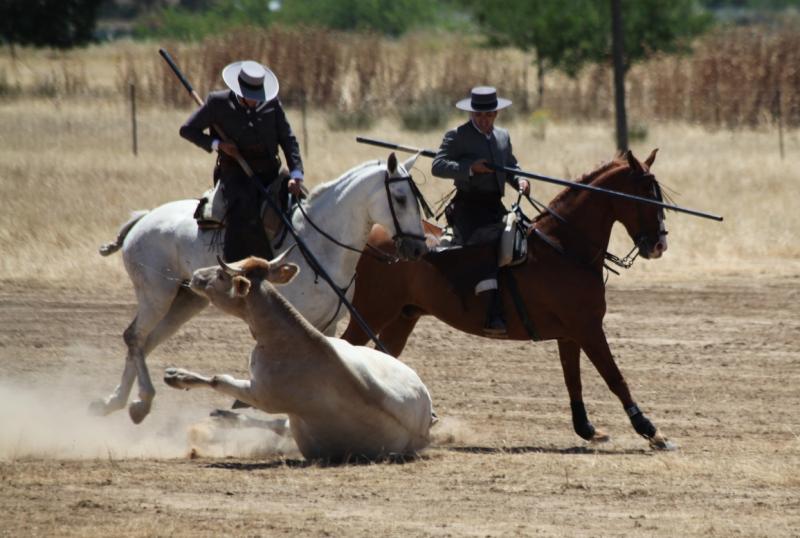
x=561, y=285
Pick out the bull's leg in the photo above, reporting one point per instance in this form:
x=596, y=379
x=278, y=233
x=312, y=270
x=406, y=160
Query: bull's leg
x=594, y=343
x=178, y=378
x=569, y=352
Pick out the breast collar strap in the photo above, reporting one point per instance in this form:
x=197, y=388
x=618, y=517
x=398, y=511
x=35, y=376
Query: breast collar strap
x=561, y=250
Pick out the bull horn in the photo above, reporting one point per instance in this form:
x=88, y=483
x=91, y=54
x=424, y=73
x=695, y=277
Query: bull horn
x=228, y=269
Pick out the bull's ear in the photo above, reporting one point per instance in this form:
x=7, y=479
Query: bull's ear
x=241, y=287
x=651, y=158
x=283, y=273
x=391, y=164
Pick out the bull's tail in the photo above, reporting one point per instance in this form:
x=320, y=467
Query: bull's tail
x=110, y=248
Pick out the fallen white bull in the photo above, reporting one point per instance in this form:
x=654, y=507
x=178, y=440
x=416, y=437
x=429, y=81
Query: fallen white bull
x=342, y=400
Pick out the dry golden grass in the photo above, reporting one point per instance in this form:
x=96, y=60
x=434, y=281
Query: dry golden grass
x=69, y=179
x=709, y=353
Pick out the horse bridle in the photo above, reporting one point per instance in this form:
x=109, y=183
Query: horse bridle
x=399, y=233
x=642, y=240
x=625, y=262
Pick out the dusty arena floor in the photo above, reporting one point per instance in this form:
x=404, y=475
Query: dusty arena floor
x=713, y=362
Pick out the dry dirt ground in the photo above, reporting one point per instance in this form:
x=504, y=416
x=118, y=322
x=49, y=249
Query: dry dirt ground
x=713, y=361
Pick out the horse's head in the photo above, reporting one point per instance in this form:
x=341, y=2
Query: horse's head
x=644, y=222
x=400, y=214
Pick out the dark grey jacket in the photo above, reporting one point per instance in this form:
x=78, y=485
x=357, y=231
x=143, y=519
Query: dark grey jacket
x=257, y=133
x=463, y=146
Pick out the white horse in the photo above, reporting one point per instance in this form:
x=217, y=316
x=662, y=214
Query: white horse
x=163, y=247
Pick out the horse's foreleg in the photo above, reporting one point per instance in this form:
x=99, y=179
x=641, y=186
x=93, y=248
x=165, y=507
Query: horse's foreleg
x=595, y=345
x=377, y=316
x=569, y=352
x=395, y=335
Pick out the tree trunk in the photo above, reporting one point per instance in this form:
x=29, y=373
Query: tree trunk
x=539, y=82
x=618, y=48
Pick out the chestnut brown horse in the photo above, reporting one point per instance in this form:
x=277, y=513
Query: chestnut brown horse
x=561, y=290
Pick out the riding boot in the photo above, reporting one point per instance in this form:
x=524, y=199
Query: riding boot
x=243, y=238
x=495, y=325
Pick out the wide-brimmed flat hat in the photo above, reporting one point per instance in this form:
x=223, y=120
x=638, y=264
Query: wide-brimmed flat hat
x=483, y=99
x=251, y=80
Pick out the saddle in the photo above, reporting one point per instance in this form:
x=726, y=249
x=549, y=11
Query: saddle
x=511, y=236
x=212, y=209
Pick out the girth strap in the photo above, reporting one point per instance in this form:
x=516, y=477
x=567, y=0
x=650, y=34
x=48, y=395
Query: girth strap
x=519, y=305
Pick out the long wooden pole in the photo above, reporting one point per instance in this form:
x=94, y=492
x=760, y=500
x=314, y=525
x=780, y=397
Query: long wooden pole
x=547, y=179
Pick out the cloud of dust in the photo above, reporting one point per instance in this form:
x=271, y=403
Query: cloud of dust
x=452, y=431
x=53, y=422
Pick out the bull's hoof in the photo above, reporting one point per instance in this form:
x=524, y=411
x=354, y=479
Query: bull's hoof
x=598, y=437
x=99, y=408
x=660, y=442
x=138, y=410
x=178, y=378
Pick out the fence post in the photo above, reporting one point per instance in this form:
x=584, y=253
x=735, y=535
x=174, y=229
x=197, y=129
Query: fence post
x=779, y=117
x=134, y=133
x=304, y=112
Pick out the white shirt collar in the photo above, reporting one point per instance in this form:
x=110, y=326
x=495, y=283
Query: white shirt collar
x=488, y=136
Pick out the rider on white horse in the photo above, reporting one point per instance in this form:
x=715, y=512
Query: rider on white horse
x=252, y=118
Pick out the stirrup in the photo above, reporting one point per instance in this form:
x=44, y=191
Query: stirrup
x=495, y=328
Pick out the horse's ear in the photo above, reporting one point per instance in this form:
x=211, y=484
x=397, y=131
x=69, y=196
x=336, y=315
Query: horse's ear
x=408, y=164
x=632, y=162
x=391, y=164
x=649, y=160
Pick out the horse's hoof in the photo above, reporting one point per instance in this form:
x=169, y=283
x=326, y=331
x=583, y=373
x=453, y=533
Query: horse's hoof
x=138, y=410
x=660, y=442
x=599, y=437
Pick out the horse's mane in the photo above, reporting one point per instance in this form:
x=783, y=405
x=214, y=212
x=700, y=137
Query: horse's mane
x=585, y=179
x=323, y=187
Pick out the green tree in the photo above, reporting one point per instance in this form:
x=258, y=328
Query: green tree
x=389, y=17
x=48, y=23
x=568, y=35
x=195, y=19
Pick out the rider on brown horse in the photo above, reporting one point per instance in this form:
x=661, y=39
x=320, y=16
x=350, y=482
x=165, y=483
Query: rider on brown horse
x=476, y=212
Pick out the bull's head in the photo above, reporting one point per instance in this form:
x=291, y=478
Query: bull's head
x=227, y=285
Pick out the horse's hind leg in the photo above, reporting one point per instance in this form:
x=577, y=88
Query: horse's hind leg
x=119, y=397
x=182, y=308
x=596, y=347
x=155, y=302
x=569, y=353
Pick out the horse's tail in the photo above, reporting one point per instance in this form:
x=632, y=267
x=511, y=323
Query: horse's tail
x=110, y=248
